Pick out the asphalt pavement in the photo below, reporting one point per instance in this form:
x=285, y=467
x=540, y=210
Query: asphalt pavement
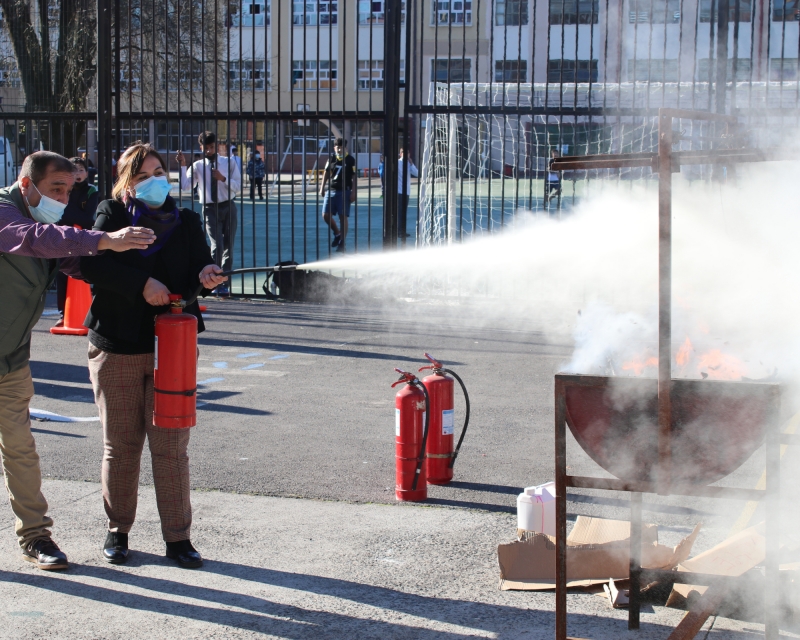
x=292, y=466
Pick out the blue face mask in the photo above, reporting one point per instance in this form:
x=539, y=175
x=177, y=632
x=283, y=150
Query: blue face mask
x=153, y=191
x=48, y=211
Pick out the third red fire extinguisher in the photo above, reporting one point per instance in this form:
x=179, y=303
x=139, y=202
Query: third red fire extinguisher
x=175, y=374
x=440, y=455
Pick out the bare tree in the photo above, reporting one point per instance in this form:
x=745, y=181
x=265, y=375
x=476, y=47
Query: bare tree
x=54, y=43
x=171, y=54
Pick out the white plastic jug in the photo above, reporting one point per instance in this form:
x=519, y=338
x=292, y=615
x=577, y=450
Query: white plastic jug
x=536, y=509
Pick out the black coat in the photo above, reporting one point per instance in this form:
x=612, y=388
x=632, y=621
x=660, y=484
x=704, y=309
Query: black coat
x=81, y=207
x=118, y=307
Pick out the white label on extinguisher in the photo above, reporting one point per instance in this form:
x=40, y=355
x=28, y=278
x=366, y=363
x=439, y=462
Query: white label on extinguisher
x=397, y=423
x=155, y=354
x=447, y=422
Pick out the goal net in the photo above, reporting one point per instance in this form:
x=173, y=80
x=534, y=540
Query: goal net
x=480, y=170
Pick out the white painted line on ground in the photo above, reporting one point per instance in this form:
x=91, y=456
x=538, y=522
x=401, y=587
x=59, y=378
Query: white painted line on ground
x=280, y=357
x=220, y=365
x=210, y=380
x=248, y=355
x=48, y=416
x=51, y=312
x=257, y=365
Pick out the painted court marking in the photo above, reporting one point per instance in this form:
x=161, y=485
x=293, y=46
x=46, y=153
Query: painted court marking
x=750, y=508
x=280, y=357
x=210, y=381
x=220, y=365
x=253, y=366
x=49, y=416
x=248, y=355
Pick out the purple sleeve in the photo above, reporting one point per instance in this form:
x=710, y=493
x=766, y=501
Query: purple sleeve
x=24, y=237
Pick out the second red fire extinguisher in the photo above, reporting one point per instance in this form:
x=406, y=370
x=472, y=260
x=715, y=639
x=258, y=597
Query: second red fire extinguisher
x=440, y=455
x=175, y=371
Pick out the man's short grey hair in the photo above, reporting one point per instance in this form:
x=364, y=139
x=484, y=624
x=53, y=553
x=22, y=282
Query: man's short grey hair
x=37, y=165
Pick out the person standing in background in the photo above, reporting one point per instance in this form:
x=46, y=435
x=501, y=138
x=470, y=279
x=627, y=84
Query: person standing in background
x=218, y=180
x=340, y=178
x=405, y=169
x=381, y=167
x=80, y=212
x=256, y=172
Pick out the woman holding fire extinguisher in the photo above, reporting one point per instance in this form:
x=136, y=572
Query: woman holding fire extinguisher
x=130, y=289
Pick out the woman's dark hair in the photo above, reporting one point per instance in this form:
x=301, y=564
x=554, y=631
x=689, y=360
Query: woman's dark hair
x=131, y=163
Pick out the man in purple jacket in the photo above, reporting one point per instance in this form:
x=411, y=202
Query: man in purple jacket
x=29, y=247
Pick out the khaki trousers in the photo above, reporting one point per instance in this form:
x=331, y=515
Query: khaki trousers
x=20, y=460
x=123, y=391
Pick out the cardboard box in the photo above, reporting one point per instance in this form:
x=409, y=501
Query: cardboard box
x=597, y=550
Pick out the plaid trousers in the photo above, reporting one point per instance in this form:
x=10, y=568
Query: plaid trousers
x=123, y=391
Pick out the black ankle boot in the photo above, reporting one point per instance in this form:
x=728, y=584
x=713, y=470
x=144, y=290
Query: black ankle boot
x=115, y=548
x=184, y=554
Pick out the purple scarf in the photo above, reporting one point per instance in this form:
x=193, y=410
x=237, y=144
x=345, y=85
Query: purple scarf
x=163, y=221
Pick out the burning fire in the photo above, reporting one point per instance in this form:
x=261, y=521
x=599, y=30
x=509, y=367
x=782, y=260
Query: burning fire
x=713, y=364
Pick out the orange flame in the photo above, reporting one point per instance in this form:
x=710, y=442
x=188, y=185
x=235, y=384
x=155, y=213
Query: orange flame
x=721, y=366
x=682, y=358
x=638, y=365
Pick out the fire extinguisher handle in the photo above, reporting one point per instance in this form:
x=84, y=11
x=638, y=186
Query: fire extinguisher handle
x=466, y=417
x=405, y=377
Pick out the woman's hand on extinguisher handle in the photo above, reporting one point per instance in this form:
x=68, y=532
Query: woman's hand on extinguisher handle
x=210, y=276
x=155, y=293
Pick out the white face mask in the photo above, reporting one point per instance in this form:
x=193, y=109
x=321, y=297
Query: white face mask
x=48, y=211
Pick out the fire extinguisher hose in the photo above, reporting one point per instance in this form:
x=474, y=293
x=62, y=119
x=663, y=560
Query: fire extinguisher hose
x=466, y=417
x=424, y=436
x=234, y=272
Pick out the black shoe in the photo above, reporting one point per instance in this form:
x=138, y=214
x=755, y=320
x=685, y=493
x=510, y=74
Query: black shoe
x=184, y=554
x=115, y=548
x=46, y=555
x=337, y=240
x=340, y=248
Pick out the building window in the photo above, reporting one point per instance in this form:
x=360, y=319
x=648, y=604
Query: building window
x=513, y=13
x=655, y=11
x=653, y=70
x=743, y=66
x=745, y=10
x=314, y=13
x=574, y=11
x=314, y=74
x=451, y=70
x=572, y=71
x=370, y=74
x=254, y=14
x=9, y=75
x=368, y=138
x=370, y=12
x=248, y=75
x=128, y=79
x=457, y=12
x=785, y=10
x=783, y=69
x=511, y=71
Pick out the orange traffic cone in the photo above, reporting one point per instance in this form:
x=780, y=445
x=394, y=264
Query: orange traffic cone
x=79, y=299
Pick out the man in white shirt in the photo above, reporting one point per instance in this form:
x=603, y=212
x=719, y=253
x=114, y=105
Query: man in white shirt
x=218, y=180
x=405, y=169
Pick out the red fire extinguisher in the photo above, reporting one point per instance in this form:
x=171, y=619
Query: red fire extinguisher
x=175, y=374
x=410, y=431
x=440, y=454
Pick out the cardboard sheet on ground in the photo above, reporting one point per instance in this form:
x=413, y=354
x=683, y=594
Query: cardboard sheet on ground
x=733, y=556
x=597, y=549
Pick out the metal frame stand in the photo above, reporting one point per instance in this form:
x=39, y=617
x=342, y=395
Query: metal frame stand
x=665, y=162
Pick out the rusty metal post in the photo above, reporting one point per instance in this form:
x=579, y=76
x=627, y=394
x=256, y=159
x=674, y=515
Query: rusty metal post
x=634, y=604
x=772, y=527
x=664, y=299
x=561, y=511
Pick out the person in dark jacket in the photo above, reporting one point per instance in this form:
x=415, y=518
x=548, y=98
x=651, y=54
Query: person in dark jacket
x=80, y=212
x=256, y=172
x=130, y=289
